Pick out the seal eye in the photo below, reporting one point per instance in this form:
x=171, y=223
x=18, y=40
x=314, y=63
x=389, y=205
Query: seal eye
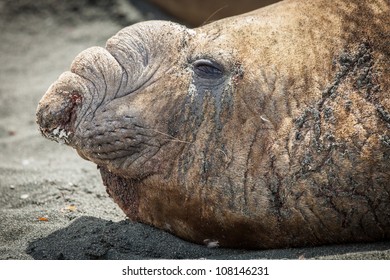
x=208, y=69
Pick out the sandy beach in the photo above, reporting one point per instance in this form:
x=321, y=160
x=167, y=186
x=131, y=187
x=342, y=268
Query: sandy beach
x=53, y=204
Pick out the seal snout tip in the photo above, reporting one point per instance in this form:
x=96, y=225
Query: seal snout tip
x=56, y=114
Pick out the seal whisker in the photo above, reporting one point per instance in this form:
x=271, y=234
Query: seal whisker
x=173, y=139
x=213, y=14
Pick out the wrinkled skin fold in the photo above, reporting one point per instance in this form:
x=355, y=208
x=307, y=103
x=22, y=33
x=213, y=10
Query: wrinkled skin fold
x=265, y=130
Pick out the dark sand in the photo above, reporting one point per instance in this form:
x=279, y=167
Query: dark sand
x=53, y=204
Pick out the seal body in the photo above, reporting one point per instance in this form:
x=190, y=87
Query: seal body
x=265, y=130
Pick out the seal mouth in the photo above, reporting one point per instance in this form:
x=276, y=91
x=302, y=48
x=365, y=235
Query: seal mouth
x=116, y=142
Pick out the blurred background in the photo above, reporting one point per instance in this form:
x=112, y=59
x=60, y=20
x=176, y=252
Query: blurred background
x=200, y=12
x=190, y=12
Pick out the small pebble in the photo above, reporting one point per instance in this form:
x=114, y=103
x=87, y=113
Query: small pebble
x=24, y=196
x=12, y=187
x=211, y=243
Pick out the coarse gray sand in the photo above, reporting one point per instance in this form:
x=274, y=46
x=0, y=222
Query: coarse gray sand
x=53, y=204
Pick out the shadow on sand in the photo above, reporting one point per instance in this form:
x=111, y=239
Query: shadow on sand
x=93, y=238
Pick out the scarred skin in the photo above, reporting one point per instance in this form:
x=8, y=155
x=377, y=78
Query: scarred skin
x=266, y=130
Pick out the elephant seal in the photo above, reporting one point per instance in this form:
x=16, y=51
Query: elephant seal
x=265, y=130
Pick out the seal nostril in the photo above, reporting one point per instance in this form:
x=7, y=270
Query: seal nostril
x=76, y=98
